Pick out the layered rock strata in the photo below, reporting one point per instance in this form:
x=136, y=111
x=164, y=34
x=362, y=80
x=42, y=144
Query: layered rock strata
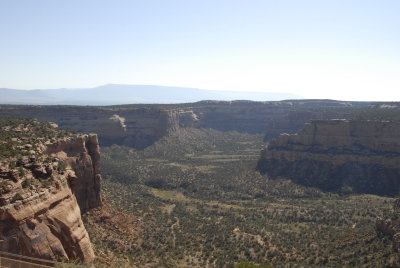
x=139, y=126
x=136, y=127
x=43, y=191
x=46, y=225
x=82, y=154
x=338, y=155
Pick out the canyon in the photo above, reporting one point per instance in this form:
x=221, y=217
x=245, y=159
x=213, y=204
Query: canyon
x=139, y=126
x=191, y=161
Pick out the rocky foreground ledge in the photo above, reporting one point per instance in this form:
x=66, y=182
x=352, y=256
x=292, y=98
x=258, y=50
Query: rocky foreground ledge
x=47, y=178
x=348, y=156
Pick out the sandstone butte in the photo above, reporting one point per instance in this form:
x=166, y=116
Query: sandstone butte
x=44, y=193
x=348, y=156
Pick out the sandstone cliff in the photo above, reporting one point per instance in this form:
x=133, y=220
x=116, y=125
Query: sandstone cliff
x=82, y=154
x=338, y=155
x=47, y=178
x=271, y=118
x=139, y=126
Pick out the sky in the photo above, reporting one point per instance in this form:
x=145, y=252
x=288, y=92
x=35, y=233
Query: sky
x=337, y=49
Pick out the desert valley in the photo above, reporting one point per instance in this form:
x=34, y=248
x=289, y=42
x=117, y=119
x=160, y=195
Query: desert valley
x=296, y=183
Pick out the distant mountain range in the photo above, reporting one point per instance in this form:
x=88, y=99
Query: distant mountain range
x=113, y=94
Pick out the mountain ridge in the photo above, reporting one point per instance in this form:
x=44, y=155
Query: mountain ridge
x=114, y=94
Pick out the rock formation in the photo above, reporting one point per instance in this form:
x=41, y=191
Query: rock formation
x=139, y=126
x=136, y=127
x=338, y=155
x=271, y=118
x=82, y=154
x=49, y=178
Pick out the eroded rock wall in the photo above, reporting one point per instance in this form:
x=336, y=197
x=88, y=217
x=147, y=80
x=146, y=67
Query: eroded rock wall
x=136, y=127
x=45, y=222
x=338, y=155
x=82, y=154
x=139, y=126
x=47, y=225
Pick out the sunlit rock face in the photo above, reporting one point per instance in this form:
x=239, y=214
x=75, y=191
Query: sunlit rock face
x=129, y=126
x=48, y=226
x=40, y=209
x=338, y=155
x=82, y=154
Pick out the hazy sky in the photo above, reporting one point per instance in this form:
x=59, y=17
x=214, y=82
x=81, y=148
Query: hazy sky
x=341, y=49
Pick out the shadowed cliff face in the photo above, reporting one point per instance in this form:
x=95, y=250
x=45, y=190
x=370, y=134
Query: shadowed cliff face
x=271, y=118
x=338, y=155
x=43, y=192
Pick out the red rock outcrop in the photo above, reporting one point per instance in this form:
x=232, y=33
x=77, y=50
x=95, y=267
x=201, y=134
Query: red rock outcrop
x=339, y=155
x=82, y=154
x=46, y=225
x=43, y=193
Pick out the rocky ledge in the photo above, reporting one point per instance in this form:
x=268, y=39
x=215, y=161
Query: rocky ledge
x=348, y=156
x=47, y=178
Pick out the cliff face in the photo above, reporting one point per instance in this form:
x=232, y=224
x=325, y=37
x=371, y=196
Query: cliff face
x=136, y=127
x=139, y=126
x=82, y=154
x=271, y=118
x=46, y=225
x=44, y=188
x=338, y=155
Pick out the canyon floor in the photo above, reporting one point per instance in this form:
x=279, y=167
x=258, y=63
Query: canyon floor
x=194, y=199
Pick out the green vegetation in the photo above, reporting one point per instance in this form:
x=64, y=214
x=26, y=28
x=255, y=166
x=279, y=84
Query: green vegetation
x=249, y=264
x=23, y=157
x=61, y=166
x=200, y=203
x=19, y=136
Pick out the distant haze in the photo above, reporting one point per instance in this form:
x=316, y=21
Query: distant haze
x=113, y=94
